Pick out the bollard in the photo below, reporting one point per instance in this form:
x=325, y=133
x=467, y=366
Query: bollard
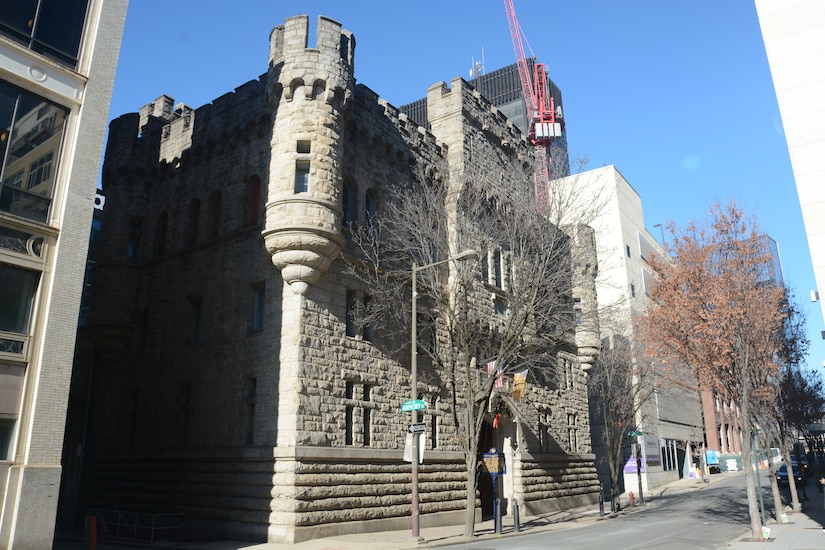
x=516, y=524
x=497, y=516
x=601, y=502
x=632, y=499
x=91, y=532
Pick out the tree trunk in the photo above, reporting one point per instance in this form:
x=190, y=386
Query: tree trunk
x=614, y=453
x=748, y=463
x=786, y=456
x=779, y=508
x=472, y=485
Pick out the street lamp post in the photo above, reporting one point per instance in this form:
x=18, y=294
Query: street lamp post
x=465, y=255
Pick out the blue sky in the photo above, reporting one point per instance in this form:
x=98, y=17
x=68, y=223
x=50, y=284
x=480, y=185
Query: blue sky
x=677, y=95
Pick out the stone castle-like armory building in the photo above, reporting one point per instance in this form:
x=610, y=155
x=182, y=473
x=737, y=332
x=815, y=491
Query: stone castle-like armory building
x=235, y=391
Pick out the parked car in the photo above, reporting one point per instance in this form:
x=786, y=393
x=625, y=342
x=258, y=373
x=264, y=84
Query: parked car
x=782, y=475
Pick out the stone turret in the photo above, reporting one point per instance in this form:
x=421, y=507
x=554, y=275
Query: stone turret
x=309, y=90
x=585, y=269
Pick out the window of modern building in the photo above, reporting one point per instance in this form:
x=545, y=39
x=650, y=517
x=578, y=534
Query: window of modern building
x=40, y=171
x=302, y=176
x=50, y=27
x=11, y=390
x=33, y=129
x=6, y=432
x=632, y=290
x=18, y=287
x=627, y=250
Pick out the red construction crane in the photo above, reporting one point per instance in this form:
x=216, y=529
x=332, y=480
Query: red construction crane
x=544, y=124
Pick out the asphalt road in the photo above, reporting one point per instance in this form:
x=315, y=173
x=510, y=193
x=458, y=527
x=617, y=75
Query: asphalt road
x=705, y=519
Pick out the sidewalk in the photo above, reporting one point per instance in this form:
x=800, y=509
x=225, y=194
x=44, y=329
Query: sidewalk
x=803, y=530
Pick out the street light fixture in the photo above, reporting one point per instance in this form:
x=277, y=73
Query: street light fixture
x=662, y=231
x=465, y=255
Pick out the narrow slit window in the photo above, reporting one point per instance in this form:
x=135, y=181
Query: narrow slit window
x=302, y=176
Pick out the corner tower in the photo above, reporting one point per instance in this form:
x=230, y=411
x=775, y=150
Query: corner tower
x=309, y=90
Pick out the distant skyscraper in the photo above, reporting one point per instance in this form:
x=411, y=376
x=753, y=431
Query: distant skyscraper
x=502, y=88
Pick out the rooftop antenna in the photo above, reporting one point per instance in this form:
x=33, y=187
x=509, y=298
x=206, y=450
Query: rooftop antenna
x=478, y=66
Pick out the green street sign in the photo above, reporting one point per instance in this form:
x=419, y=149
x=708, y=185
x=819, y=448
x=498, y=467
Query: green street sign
x=413, y=405
x=635, y=433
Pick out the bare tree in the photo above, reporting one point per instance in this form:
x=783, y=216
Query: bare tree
x=619, y=387
x=511, y=308
x=717, y=308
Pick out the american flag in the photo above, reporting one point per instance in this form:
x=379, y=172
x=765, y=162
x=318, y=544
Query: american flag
x=491, y=368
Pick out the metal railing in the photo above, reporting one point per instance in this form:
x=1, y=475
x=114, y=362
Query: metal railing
x=122, y=524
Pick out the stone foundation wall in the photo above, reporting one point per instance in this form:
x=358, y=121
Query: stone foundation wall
x=549, y=482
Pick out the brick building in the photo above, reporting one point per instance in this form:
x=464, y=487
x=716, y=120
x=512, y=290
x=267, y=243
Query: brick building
x=235, y=391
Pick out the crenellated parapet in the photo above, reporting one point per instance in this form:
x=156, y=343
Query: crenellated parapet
x=461, y=98
x=309, y=90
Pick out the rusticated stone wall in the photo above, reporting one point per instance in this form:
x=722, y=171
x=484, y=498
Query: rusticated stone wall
x=231, y=360
x=553, y=481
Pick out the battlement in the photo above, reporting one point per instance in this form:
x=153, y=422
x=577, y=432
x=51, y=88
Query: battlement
x=461, y=97
x=408, y=126
x=292, y=38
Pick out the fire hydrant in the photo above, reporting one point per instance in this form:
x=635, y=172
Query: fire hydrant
x=632, y=499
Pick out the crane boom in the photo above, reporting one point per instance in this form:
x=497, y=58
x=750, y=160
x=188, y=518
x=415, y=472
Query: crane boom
x=523, y=71
x=543, y=123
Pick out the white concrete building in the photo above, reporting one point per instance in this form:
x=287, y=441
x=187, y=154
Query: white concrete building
x=794, y=35
x=672, y=419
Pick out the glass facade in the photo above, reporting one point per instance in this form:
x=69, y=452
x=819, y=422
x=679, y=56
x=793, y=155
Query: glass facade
x=49, y=27
x=31, y=131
